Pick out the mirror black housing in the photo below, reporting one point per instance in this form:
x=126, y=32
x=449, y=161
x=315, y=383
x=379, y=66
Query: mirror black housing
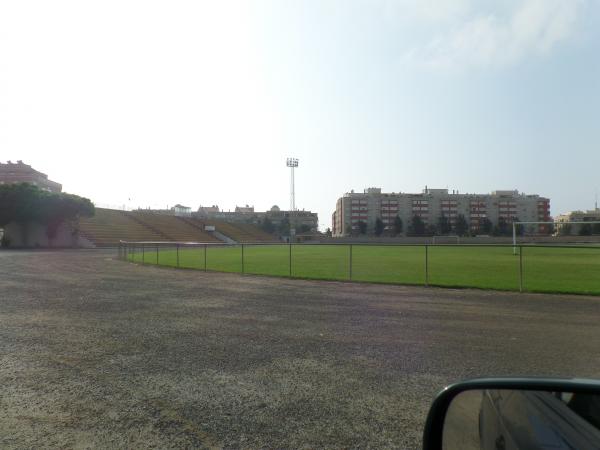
x=434, y=426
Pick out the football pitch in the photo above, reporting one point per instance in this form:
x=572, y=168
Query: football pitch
x=538, y=269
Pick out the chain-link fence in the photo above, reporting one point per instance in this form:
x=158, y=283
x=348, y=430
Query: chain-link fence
x=535, y=268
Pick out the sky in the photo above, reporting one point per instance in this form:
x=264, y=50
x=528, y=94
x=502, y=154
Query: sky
x=153, y=103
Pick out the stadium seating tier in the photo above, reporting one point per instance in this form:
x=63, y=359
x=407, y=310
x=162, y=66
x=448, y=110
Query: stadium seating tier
x=109, y=226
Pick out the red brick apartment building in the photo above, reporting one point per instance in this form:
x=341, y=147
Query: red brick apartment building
x=20, y=172
x=431, y=204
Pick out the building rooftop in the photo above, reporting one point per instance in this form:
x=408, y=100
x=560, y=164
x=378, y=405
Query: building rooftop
x=440, y=192
x=20, y=172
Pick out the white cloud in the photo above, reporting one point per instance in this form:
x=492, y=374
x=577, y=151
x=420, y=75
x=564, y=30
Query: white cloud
x=534, y=27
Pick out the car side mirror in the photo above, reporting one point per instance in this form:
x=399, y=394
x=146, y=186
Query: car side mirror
x=515, y=413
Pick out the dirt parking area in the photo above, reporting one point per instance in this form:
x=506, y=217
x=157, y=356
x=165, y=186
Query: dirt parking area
x=96, y=352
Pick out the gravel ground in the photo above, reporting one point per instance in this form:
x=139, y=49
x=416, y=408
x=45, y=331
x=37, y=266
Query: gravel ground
x=96, y=352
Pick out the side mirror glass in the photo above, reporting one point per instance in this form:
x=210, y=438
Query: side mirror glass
x=515, y=413
x=507, y=419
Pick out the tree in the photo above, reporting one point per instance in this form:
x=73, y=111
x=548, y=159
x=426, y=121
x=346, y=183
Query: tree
x=398, y=225
x=362, y=227
x=444, y=226
x=304, y=228
x=461, y=226
x=56, y=209
x=284, y=227
x=519, y=228
x=267, y=226
x=485, y=225
x=18, y=203
x=328, y=232
x=547, y=228
x=4, y=241
x=379, y=227
x=585, y=230
x=502, y=228
x=25, y=203
x=431, y=229
x=564, y=229
x=417, y=226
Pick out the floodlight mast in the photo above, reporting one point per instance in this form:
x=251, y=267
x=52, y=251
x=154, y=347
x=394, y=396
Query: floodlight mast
x=292, y=163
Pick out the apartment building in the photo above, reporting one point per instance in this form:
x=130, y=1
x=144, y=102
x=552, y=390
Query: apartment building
x=591, y=215
x=431, y=204
x=19, y=172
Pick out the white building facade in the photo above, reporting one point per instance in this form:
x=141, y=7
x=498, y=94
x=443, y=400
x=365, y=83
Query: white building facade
x=431, y=204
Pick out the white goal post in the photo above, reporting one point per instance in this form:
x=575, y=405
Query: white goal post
x=554, y=224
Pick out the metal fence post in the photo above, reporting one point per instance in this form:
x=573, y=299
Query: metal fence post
x=290, y=259
x=242, y=258
x=520, y=268
x=157, y=254
x=426, y=265
x=178, y=255
x=350, y=277
x=143, y=254
x=205, y=249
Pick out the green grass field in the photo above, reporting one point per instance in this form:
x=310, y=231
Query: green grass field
x=545, y=269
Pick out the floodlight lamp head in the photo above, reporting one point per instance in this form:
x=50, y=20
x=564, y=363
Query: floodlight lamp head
x=292, y=162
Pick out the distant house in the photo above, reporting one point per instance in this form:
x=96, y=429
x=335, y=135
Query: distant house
x=303, y=220
x=208, y=211
x=591, y=215
x=244, y=209
x=180, y=210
